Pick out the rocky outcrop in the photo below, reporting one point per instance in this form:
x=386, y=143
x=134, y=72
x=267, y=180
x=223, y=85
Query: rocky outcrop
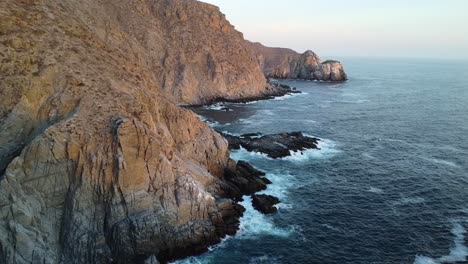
x=283, y=63
x=97, y=163
x=265, y=203
x=244, y=180
x=274, y=146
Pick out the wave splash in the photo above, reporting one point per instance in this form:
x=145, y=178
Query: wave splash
x=458, y=252
x=326, y=149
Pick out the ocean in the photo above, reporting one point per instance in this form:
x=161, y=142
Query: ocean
x=389, y=183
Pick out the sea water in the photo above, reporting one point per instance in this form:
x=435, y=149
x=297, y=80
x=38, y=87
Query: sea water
x=389, y=183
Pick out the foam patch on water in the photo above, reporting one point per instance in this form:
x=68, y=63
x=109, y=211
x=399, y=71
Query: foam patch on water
x=367, y=155
x=264, y=259
x=375, y=190
x=280, y=187
x=458, y=251
x=254, y=223
x=327, y=149
x=442, y=162
x=348, y=101
x=211, y=123
x=218, y=107
x=287, y=96
x=243, y=154
x=410, y=200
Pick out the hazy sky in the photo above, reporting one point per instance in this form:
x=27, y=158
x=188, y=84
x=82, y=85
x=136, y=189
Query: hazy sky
x=390, y=28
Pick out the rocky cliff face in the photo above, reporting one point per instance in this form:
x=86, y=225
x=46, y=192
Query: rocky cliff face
x=97, y=163
x=287, y=64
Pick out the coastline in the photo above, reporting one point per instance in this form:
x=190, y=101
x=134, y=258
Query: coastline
x=274, y=90
x=258, y=182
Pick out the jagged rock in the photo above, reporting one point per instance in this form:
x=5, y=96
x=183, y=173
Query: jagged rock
x=283, y=63
x=265, y=203
x=244, y=180
x=275, y=146
x=97, y=162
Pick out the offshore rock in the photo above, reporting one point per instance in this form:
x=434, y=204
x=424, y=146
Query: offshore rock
x=265, y=203
x=244, y=180
x=275, y=146
x=281, y=63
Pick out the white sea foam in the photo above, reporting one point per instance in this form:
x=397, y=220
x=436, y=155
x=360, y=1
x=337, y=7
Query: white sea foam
x=218, y=107
x=367, y=155
x=327, y=149
x=243, y=154
x=332, y=227
x=424, y=260
x=264, y=259
x=280, y=187
x=244, y=103
x=458, y=251
x=348, y=102
x=375, y=190
x=254, y=223
x=287, y=96
x=410, y=200
x=442, y=162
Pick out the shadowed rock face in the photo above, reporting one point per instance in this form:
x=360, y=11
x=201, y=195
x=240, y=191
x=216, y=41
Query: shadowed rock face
x=283, y=63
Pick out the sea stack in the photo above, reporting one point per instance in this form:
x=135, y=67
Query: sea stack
x=281, y=63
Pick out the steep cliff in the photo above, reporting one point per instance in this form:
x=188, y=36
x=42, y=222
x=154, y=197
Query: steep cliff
x=284, y=63
x=98, y=164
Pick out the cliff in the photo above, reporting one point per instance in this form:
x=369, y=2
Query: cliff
x=284, y=63
x=98, y=164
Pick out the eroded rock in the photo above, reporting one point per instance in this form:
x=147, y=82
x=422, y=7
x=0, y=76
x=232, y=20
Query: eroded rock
x=244, y=180
x=275, y=146
x=281, y=63
x=265, y=203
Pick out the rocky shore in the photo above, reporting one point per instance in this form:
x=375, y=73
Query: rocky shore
x=98, y=163
x=281, y=63
x=273, y=89
x=274, y=146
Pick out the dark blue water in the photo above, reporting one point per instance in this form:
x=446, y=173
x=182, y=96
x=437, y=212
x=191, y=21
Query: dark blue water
x=390, y=184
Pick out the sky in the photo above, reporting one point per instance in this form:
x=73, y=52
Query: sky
x=371, y=28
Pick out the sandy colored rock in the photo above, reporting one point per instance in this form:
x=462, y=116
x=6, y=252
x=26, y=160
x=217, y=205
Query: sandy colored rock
x=281, y=63
x=98, y=164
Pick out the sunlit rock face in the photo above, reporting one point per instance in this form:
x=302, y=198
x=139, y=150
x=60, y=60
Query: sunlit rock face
x=98, y=164
x=283, y=63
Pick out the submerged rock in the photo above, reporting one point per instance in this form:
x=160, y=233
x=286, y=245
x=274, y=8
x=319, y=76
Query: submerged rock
x=275, y=146
x=265, y=203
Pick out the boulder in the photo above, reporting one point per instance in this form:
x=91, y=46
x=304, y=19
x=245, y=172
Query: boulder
x=265, y=203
